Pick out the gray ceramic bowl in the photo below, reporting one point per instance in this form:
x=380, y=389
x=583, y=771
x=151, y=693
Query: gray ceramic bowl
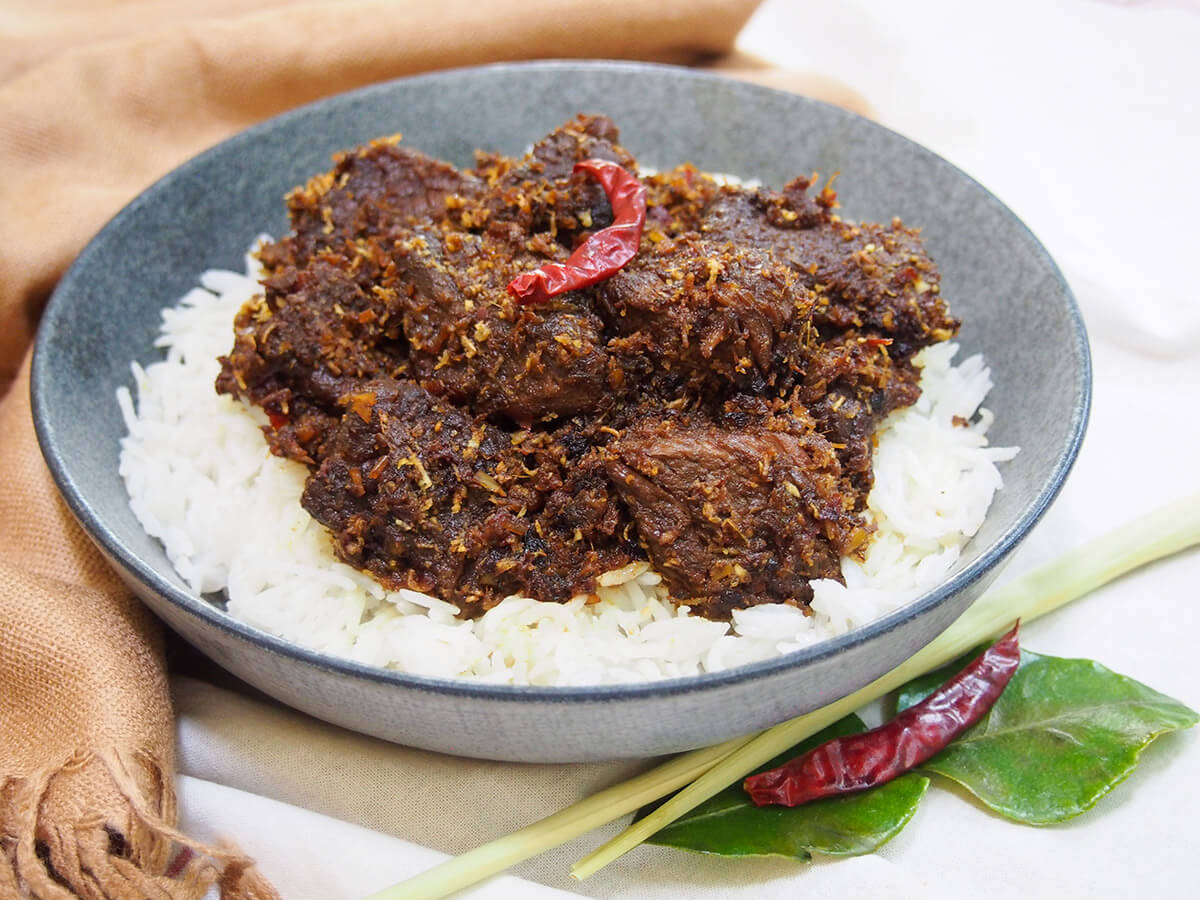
x=1016, y=307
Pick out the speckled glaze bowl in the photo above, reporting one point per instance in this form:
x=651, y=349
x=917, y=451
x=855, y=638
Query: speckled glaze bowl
x=1016, y=307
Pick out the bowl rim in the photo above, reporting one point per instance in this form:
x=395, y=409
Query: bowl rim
x=113, y=547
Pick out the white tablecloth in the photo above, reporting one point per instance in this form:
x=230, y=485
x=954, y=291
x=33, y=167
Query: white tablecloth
x=1083, y=117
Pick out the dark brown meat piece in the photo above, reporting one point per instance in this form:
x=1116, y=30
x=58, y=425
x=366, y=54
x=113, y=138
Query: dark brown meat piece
x=850, y=384
x=425, y=497
x=409, y=488
x=470, y=341
x=698, y=315
x=734, y=516
x=584, y=137
x=581, y=531
x=676, y=201
x=370, y=192
x=871, y=277
x=312, y=337
x=473, y=344
x=539, y=194
x=877, y=303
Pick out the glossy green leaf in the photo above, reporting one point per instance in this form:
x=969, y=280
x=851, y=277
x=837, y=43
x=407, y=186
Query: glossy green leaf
x=730, y=825
x=1063, y=734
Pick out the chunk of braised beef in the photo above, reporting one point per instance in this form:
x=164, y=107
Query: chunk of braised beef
x=699, y=315
x=851, y=383
x=676, y=201
x=472, y=343
x=414, y=492
x=583, y=531
x=584, y=137
x=735, y=516
x=540, y=194
x=369, y=192
x=876, y=278
x=425, y=497
x=310, y=337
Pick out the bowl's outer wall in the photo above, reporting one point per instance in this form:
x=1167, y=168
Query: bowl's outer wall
x=998, y=279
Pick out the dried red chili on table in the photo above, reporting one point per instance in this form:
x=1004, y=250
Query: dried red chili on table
x=859, y=761
x=604, y=253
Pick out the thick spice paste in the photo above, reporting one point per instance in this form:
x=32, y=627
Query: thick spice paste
x=709, y=408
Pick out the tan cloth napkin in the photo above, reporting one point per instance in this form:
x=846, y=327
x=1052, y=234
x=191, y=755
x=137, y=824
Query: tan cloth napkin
x=97, y=100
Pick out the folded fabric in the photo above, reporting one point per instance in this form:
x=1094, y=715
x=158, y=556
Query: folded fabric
x=314, y=857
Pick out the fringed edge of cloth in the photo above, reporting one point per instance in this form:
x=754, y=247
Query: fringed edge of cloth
x=97, y=855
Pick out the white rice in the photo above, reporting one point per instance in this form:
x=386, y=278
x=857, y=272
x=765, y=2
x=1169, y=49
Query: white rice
x=201, y=480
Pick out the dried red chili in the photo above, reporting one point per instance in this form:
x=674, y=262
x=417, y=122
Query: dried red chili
x=859, y=761
x=604, y=253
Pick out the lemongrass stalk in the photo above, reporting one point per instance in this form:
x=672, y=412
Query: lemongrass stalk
x=599, y=809
x=1156, y=535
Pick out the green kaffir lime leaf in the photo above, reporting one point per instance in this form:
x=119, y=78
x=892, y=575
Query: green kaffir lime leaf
x=730, y=825
x=1061, y=736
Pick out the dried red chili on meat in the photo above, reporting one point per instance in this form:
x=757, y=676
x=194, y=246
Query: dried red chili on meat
x=859, y=761
x=602, y=254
